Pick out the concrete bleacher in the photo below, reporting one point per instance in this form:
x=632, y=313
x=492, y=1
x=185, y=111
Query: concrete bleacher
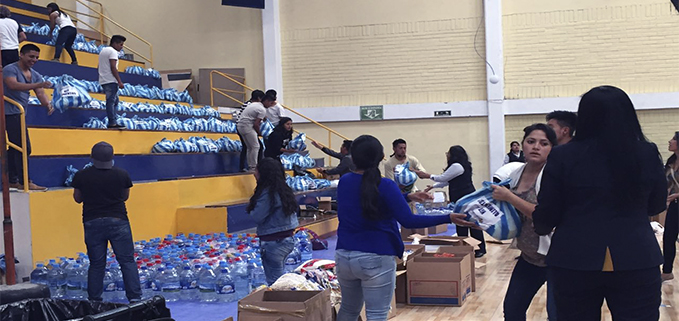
x=192, y=193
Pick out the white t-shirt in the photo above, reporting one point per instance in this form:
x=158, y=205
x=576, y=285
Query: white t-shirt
x=105, y=74
x=274, y=114
x=252, y=112
x=9, y=34
x=63, y=20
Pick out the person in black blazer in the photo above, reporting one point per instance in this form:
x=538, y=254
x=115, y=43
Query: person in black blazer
x=597, y=194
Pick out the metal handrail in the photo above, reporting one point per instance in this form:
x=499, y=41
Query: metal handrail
x=222, y=91
x=24, y=155
x=103, y=17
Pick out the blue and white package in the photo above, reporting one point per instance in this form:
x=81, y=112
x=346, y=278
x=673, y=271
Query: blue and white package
x=67, y=94
x=403, y=175
x=499, y=219
x=164, y=146
x=266, y=128
x=297, y=143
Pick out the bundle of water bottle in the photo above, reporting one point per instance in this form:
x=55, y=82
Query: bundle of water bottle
x=207, y=268
x=429, y=208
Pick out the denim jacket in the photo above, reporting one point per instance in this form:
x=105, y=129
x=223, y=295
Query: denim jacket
x=271, y=220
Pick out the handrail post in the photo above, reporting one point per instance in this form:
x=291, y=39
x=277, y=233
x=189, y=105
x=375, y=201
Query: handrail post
x=24, y=150
x=330, y=147
x=212, y=92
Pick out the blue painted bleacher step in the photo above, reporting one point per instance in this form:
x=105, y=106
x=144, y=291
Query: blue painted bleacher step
x=49, y=68
x=51, y=171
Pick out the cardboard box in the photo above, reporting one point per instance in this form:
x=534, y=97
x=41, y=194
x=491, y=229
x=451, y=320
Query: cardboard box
x=305, y=211
x=392, y=310
x=438, y=229
x=461, y=244
x=416, y=248
x=286, y=306
x=401, y=293
x=325, y=203
x=439, y=280
x=407, y=232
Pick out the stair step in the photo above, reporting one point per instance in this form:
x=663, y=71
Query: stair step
x=66, y=141
x=84, y=58
x=51, y=171
x=102, y=97
x=50, y=68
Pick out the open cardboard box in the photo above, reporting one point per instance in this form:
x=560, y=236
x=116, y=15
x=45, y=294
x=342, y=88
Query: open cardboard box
x=286, y=306
x=402, y=262
x=439, y=280
x=325, y=203
x=461, y=245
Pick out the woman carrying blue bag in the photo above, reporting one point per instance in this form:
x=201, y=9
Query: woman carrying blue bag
x=274, y=209
x=530, y=272
x=368, y=240
x=458, y=178
x=277, y=142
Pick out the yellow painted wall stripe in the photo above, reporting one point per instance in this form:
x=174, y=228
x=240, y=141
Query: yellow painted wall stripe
x=49, y=141
x=85, y=59
x=28, y=13
x=202, y=220
x=56, y=220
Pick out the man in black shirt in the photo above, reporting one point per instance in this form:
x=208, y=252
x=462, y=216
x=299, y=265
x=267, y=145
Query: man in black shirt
x=103, y=190
x=345, y=165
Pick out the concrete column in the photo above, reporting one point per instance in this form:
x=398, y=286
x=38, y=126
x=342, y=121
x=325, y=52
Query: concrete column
x=273, y=66
x=495, y=91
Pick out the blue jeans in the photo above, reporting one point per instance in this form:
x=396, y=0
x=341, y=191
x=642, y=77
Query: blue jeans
x=98, y=232
x=111, y=91
x=273, y=257
x=65, y=40
x=526, y=280
x=365, y=277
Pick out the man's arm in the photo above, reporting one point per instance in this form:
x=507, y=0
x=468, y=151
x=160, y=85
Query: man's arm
x=114, y=71
x=77, y=196
x=343, y=167
x=13, y=84
x=332, y=153
x=44, y=101
x=126, y=194
x=257, y=126
x=22, y=36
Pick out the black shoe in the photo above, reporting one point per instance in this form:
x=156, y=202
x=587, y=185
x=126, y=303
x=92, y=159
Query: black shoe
x=115, y=126
x=478, y=254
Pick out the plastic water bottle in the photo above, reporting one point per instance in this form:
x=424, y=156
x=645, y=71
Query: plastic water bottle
x=109, y=286
x=226, y=291
x=305, y=247
x=156, y=282
x=257, y=276
x=170, y=284
x=189, y=284
x=206, y=284
x=241, y=279
x=119, y=294
x=292, y=260
x=57, y=281
x=39, y=274
x=74, y=280
x=145, y=282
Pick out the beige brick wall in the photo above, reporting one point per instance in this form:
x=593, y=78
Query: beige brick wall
x=428, y=140
x=658, y=125
x=564, y=52
x=351, y=53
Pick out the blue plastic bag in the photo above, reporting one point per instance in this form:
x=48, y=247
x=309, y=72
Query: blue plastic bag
x=67, y=94
x=297, y=143
x=163, y=146
x=266, y=128
x=499, y=219
x=71, y=172
x=403, y=175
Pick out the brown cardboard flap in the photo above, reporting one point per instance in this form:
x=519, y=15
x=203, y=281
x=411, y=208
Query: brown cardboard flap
x=303, y=305
x=448, y=240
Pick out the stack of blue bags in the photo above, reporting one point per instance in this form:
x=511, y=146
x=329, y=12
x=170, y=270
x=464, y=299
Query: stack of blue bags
x=197, y=145
x=306, y=183
x=170, y=124
x=138, y=70
x=303, y=161
x=80, y=43
x=163, y=108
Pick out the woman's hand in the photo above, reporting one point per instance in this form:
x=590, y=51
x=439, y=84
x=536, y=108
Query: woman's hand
x=502, y=193
x=422, y=174
x=429, y=188
x=420, y=196
x=460, y=220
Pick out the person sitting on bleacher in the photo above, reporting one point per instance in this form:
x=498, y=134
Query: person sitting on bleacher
x=19, y=78
x=109, y=79
x=11, y=35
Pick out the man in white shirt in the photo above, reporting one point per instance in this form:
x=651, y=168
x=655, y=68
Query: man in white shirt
x=109, y=79
x=249, y=126
x=11, y=35
x=400, y=157
x=274, y=113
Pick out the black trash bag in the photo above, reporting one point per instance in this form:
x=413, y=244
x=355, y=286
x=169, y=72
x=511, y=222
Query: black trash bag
x=59, y=310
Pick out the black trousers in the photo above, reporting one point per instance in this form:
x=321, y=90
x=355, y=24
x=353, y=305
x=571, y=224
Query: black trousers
x=65, y=40
x=476, y=234
x=244, y=153
x=630, y=295
x=14, y=164
x=10, y=56
x=669, y=238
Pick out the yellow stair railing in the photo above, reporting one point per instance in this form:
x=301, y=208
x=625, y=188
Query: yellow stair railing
x=24, y=155
x=245, y=87
x=99, y=14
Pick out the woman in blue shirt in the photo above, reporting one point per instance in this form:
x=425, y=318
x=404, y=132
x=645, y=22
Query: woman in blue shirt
x=274, y=209
x=368, y=240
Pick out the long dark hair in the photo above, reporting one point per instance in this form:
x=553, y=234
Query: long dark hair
x=272, y=177
x=367, y=153
x=607, y=121
x=55, y=7
x=673, y=158
x=457, y=154
x=280, y=128
x=549, y=132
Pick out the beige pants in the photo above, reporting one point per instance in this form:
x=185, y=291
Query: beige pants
x=252, y=142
